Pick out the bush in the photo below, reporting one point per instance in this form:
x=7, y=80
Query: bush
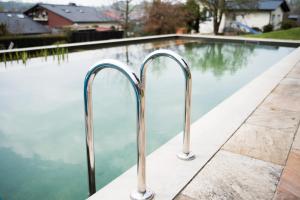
x=268, y=28
x=288, y=24
x=21, y=41
x=3, y=30
x=229, y=30
x=256, y=29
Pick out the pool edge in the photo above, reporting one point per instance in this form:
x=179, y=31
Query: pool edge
x=134, y=40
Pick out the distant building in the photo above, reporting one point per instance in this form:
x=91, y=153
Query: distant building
x=257, y=15
x=73, y=16
x=295, y=18
x=20, y=24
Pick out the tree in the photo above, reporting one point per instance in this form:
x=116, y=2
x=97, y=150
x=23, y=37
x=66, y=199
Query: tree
x=219, y=7
x=124, y=8
x=295, y=6
x=193, y=15
x=164, y=17
x=3, y=30
x=219, y=58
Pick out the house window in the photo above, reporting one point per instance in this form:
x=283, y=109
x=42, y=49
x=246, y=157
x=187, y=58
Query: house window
x=273, y=18
x=278, y=15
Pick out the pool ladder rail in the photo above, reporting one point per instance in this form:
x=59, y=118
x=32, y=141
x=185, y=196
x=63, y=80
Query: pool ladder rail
x=186, y=154
x=139, y=86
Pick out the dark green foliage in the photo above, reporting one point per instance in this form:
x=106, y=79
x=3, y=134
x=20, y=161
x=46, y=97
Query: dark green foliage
x=268, y=28
x=288, y=24
x=257, y=29
x=32, y=40
x=3, y=30
x=193, y=15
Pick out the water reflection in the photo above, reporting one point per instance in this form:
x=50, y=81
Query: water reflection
x=127, y=54
x=220, y=58
x=59, y=53
x=37, y=178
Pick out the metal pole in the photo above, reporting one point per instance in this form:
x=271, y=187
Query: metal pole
x=141, y=192
x=186, y=154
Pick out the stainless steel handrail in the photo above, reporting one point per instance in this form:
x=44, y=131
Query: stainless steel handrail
x=142, y=192
x=186, y=154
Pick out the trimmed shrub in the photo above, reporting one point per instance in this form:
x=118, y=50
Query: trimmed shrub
x=32, y=40
x=256, y=29
x=288, y=24
x=268, y=28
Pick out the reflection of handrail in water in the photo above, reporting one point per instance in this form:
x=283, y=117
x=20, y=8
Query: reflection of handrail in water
x=186, y=153
x=142, y=192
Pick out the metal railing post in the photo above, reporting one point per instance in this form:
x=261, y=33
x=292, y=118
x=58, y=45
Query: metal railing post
x=186, y=154
x=141, y=193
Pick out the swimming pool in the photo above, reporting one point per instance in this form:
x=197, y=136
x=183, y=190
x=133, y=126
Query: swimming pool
x=42, y=137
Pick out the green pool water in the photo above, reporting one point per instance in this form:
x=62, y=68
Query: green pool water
x=42, y=135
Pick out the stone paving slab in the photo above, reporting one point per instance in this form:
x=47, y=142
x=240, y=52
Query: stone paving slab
x=274, y=118
x=291, y=103
x=232, y=176
x=296, y=143
x=289, y=185
x=286, y=96
x=295, y=73
x=263, y=143
x=288, y=87
x=184, y=197
x=290, y=81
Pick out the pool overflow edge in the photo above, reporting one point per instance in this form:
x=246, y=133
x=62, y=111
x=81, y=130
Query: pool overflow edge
x=118, y=42
x=139, y=85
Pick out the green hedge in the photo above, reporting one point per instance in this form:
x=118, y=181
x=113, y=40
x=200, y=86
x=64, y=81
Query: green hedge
x=32, y=40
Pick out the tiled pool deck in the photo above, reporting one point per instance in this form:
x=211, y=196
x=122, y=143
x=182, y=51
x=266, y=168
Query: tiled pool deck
x=262, y=158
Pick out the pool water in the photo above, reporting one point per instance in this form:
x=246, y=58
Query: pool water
x=42, y=134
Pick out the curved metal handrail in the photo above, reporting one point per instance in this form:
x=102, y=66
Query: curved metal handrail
x=186, y=153
x=141, y=193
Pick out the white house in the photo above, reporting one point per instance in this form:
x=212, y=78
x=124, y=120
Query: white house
x=250, y=15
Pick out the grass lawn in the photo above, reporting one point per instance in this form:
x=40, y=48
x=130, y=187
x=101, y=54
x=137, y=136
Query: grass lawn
x=290, y=34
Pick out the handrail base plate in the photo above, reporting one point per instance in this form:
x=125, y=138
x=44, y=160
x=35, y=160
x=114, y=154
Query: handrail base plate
x=186, y=156
x=136, y=195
